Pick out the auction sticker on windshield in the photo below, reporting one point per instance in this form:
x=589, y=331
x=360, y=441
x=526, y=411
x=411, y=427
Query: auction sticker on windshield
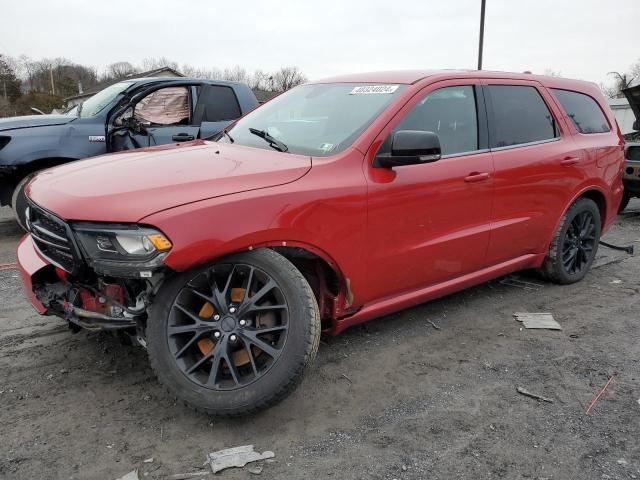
x=369, y=89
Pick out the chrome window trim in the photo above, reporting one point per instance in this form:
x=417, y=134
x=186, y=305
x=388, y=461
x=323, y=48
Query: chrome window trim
x=528, y=144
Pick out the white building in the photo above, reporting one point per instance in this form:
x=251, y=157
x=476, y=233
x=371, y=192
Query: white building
x=623, y=113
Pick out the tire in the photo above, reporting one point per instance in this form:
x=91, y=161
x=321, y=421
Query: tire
x=566, y=239
x=19, y=201
x=178, y=358
x=625, y=201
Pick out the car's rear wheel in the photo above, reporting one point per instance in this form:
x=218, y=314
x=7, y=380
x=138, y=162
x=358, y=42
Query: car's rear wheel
x=624, y=202
x=234, y=336
x=574, y=244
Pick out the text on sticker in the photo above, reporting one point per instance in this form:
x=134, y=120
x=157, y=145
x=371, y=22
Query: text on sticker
x=369, y=89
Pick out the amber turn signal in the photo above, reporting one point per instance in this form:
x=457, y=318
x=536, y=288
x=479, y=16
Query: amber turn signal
x=159, y=241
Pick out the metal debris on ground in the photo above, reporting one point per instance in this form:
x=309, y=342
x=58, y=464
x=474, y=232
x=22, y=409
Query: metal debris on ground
x=513, y=281
x=187, y=476
x=537, y=320
x=598, y=395
x=236, y=457
x=627, y=248
x=433, y=325
x=527, y=393
x=133, y=475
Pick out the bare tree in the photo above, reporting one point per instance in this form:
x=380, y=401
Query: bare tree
x=621, y=81
x=260, y=80
x=151, y=63
x=119, y=70
x=286, y=78
x=235, y=74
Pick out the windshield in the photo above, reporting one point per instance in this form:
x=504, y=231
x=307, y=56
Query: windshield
x=93, y=105
x=319, y=120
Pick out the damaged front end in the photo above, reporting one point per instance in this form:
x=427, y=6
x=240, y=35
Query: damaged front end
x=96, y=276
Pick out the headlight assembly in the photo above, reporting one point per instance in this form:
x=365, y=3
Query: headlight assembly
x=129, y=247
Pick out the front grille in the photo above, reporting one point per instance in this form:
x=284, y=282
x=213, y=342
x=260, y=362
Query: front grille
x=52, y=237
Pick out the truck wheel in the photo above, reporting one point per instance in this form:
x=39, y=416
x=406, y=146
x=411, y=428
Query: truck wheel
x=574, y=244
x=19, y=201
x=625, y=201
x=234, y=336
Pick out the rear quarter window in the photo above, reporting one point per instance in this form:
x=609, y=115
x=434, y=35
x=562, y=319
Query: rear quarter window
x=519, y=116
x=584, y=111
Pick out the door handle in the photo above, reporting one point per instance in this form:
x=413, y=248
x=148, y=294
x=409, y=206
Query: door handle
x=477, y=177
x=182, y=137
x=568, y=161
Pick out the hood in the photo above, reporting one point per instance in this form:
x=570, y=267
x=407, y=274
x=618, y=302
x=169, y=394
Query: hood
x=33, y=121
x=126, y=187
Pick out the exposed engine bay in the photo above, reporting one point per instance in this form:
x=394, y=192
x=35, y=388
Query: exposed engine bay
x=97, y=303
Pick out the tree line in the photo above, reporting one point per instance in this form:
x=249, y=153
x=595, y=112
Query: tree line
x=44, y=83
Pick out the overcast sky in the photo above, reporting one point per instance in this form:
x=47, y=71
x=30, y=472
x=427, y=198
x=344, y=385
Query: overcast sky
x=579, y=38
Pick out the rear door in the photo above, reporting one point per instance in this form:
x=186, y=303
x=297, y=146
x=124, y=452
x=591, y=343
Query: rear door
x=537, y=166
x=216, y=106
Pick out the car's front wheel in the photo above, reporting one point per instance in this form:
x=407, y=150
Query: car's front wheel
x=19, y=201
x=574, y=244
x=234, y=336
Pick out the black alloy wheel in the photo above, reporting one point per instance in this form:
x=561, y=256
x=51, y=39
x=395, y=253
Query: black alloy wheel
x=228, y=326
x=574, y=244
x=579, y=243
x=234, y=336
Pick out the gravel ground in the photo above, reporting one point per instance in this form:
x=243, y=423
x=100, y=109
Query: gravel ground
x=394, y=398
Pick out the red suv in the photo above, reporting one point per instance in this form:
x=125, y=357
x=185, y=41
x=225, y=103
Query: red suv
x=337, y=202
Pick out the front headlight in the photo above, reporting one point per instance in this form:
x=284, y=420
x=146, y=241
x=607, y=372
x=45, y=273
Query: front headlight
x=121, y=243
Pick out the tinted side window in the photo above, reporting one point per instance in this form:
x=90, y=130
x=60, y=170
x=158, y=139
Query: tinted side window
x=583, y=111
x=519, y=116
x=216, y=103
x=451, y=113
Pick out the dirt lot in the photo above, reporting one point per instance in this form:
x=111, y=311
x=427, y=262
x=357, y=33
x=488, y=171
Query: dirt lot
x=394, y=398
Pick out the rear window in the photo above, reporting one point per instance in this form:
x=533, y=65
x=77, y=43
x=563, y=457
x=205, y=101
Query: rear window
x=519, y=116
x=584, y=111
x=216, y=103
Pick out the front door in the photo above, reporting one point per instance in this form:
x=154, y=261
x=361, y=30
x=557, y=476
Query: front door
x=430, y=223
x=162, y=116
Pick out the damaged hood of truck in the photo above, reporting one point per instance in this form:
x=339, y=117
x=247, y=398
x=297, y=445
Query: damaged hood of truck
x=127, y=187
x=29, y=121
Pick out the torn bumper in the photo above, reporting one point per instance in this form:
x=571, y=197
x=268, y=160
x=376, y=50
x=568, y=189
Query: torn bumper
x=30, y=262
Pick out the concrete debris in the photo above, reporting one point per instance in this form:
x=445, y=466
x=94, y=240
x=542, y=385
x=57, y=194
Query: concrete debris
x=236, y=457
x=133, y=475
x=434, y=325
x=537, y=320
x=257, y=470
x=527, y=393
x=148, y=460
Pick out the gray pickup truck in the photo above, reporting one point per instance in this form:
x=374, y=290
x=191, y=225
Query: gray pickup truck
x=130, y=114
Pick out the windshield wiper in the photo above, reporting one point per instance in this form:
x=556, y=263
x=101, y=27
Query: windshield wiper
x=226, y=134
x=273, y=142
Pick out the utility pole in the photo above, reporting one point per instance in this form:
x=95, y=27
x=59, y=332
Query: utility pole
x=53, y=87
x=480, y=46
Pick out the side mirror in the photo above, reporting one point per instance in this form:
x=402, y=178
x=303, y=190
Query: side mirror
x=636, y=125
x=410, y=147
